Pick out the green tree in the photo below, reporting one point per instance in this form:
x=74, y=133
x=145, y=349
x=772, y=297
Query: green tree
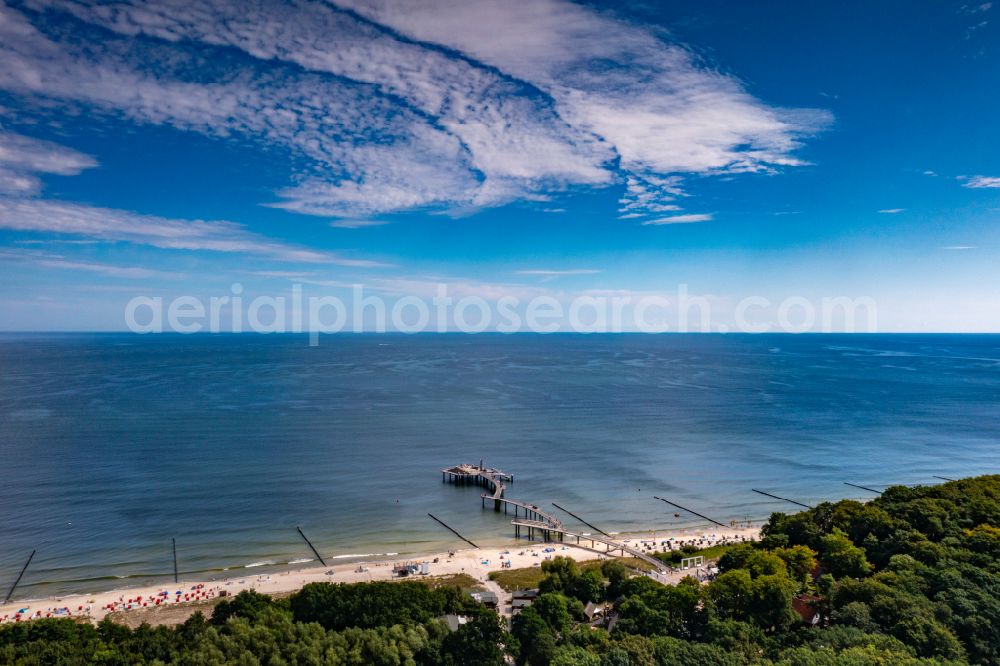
x=476, y=643
x=617, y=575
x=588, y=586
x=369, y=605
x=570, y=655
x=800, y=560
x=248, y=604
x=560, y=573
x=553, y=608
x=534, y=636
x=842, y=557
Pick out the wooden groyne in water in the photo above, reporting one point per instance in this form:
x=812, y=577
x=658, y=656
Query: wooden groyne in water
x=19, y=577
x=451, y=529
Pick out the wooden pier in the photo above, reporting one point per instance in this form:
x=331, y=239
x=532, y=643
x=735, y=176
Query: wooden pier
x=535, y=520
x=479, y=475
x=531, y=512
x=496, y=482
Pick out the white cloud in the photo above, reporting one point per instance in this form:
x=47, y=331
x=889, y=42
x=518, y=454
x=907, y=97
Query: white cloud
x=22, y=158
x=128, y=272
x=959, y=247
x=357, y=223
x=363, y=145
x=554, y=273
x=57, y=261
x=399, y=127
x=305, y=278
x=652, y=101
x=528, y=98
x=980, y=181
x=680, y=219
x=456, y=288
x=891, y=211
x=116, y=225
x=976, y=9
x=18, y=182
x=648, y=194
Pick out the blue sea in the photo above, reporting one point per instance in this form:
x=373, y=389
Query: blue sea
x=111, y=445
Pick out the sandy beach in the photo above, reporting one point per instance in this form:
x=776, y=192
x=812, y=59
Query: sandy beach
x=475, y=562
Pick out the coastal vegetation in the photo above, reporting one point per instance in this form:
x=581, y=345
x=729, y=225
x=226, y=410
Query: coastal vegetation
x=910, y=578
x=323, y=623
x=674, y=557
x=531, y=577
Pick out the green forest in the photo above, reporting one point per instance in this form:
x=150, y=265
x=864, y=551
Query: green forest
x=912, y=577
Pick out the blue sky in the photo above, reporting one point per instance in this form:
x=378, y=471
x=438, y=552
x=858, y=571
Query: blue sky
x=784, y=149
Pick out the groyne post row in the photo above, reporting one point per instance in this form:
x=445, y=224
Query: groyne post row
x=784, y=499
x=596, y=529
x=19, y=577
x=711, y=520
x=871, y=490
x=311, y=546
x=452, y=530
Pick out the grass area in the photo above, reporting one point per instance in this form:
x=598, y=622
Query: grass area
x=167, y=616
x=710, y=553
x=464, y=582
x=636, y=563
x=518, y=579
x=530, y=577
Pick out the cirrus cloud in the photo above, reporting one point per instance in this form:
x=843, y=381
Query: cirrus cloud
x=391, y=106
x=679, y=219
x=50, y=217
x=977, y=182
x=545, y=272
x=22, y=158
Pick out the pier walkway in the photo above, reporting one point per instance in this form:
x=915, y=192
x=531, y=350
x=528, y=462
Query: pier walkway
x=546, y=530
x=496, y=482
x=531, y=512
x=534, y=518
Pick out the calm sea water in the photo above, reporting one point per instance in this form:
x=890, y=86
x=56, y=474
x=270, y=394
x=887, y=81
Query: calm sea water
x=111, y=445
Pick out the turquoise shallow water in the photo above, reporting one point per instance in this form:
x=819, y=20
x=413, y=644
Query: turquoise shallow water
x=110, y=445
